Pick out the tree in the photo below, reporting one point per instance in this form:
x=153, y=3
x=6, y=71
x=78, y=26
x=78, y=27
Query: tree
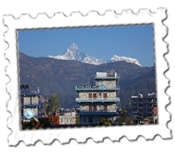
x=124, y=117
x=105, y=122
x=129, y=105
x=53, y=103
x=123, y=108
x=45, y=107
x=32, y=125
x=77, y=120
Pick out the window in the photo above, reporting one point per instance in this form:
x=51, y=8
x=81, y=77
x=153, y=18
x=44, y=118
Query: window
x=90, y=108
x=22, y=100
x=105, y=107
x=94, y=95
x=90, y=95
x=22, y=112
x=105, y=95
x=95, y=108
x=90, y=119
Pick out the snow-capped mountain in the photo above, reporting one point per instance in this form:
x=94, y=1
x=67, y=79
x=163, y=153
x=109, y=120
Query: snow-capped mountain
x=123, y=58
x=73, y=53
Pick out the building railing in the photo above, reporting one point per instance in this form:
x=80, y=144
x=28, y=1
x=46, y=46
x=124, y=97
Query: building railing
x=98, y=74
x=108, y=110
x=97, y=98
x=30, y=103
x=137, y=107
x=143, y=102
x=95, y=87
x=148, y=107
x=149, y=112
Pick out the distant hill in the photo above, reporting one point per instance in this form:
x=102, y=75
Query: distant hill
x=61, y=76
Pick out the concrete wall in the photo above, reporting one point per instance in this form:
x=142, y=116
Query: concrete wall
x=98, y=94
x=107, y=83
x=31, y=100
x=35, y=110
x=35, y=100
x=83, y=94
x=26, y=100
x=63, y=120
x=111, y=94
x=85, y=106
x=111, y=107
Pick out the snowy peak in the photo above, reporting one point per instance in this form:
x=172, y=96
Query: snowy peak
x=73, y=53
x=73, y=47
x=123, y=58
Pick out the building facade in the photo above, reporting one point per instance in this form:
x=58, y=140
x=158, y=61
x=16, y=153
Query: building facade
x=142, y=106
x=100, y=100
x=30, y=103
x=68, y=118
x=63, y=117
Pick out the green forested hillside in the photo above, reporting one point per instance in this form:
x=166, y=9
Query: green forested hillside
x=61, y=76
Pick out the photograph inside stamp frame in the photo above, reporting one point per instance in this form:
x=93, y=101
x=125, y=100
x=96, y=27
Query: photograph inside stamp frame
x=87, y=77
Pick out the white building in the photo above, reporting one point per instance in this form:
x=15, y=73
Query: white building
x=100, y=100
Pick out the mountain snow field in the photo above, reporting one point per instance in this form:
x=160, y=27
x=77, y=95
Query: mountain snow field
x=73, y=53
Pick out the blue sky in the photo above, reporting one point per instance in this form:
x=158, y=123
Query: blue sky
x=100, y=42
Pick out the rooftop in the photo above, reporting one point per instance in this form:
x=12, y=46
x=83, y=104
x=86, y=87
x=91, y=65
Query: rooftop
x=149, y=95
x=30, y=93
x=96, y=88
x=106, y=75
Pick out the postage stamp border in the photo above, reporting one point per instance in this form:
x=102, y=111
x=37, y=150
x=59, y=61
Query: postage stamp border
x=91, y=19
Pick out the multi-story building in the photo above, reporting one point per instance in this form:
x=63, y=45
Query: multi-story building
x=155, y=117
x=30, y=103
x=100, y=100
x=68, y=118
x=63, y=117
x=142, y=106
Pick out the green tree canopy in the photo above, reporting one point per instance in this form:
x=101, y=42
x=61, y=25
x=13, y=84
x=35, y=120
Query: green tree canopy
x=77, y=119
x=53, y=103
x=105, y=122
x=45, y=107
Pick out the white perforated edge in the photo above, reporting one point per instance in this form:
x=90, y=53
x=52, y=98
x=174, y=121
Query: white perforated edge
x=80, y=134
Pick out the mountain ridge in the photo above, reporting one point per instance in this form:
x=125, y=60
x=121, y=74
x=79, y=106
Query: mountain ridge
x=73, y=53
x=61, y=76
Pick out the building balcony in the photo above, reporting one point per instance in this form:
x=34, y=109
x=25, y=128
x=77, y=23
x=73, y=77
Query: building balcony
x=87, y=123
x=30, y=104
x=23, y=117
x=108, y=110
x=148, y=112
x=148, y=107
x=98, y=99
x=137, y=107
x=143, y=102
x=96, y=88
x=135, y=112
x=98, y=112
